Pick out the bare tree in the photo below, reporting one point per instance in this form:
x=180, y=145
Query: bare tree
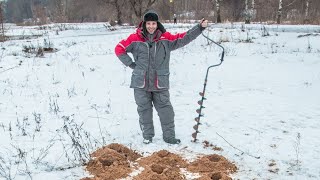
x=87, y=11
x=233, y=9
x=57, y=10
x=39, y=14
x=2, y=37
x=218, y=10
x=247, y=13
x=163, y=7
x=18, y=10
x=306, y=11
x=118, y=5
x=253, y=10
x=139, y=7
x=279, y=13
x=124, y=11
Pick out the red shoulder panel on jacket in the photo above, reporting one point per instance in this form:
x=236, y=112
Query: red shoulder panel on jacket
x=125, y=43
x=172, y=37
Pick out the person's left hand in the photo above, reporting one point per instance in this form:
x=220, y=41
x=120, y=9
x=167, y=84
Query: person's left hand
x=204, y=23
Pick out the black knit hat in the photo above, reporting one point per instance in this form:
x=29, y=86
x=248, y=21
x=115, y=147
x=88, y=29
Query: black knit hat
x=150, y=16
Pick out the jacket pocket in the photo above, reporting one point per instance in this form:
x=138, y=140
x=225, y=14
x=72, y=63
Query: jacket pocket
x=138, y=78
x=162, y=79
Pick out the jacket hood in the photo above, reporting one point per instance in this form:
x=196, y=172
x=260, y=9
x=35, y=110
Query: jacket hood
x=142, y=31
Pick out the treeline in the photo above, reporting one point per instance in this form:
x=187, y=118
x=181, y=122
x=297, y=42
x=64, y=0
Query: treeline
x=130, y=11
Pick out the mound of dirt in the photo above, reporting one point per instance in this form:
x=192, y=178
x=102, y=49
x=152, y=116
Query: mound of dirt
x=161, y=165
x=213, y=166
x=111, y=162
x=116, y=161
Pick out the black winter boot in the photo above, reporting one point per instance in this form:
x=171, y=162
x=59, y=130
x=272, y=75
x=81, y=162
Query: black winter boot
x=172, y=141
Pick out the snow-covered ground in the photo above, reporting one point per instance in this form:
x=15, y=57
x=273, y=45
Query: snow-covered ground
x=263, y=101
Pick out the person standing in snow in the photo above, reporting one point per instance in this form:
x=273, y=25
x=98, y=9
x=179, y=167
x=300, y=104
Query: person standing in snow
x=174, y=19
x=150, y=46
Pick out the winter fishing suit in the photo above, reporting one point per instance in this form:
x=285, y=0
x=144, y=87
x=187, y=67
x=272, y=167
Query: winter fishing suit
x=150, y=76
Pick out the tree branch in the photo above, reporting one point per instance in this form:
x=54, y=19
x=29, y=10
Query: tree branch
x=289, y=4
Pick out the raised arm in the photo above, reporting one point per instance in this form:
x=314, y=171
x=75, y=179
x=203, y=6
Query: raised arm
x=181, y=39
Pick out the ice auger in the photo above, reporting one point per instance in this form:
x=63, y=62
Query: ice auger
x=200, y=102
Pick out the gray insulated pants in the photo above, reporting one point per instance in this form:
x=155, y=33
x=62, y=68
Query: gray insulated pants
x=161, y=101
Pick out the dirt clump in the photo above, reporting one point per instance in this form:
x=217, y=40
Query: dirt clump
x=165, y=158
x=207, y=144
x=111, y=162
x=161, y=165
x=128, y=153
x=213, y=166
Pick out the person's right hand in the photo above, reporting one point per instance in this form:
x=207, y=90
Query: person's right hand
x=132, y=65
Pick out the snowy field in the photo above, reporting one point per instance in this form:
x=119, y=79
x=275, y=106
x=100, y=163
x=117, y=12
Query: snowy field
x=263, y=101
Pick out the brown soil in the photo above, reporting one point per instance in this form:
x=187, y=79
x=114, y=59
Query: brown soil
x=111, y=162
x=161, y=165
x=213, y=167
x=116, y=161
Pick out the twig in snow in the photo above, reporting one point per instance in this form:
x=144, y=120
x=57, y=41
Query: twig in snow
x=10, y=68
x=94, y=106
x=5, y=168
x=297, y=149
x=257, y=157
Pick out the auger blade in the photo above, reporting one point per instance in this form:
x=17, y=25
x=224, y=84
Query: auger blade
x=195, y=127
x=200, y=102
x=197, y=119
x=201, y=94
x=198, y=111
x=194, y=135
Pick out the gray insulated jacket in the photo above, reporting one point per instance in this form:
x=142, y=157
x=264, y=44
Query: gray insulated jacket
x=152, y=56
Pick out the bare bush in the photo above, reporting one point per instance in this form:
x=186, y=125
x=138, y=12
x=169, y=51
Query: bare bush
x=53, y=105
x=79, y=144
x=37, y=119
x=5, y=168
x=23, y=125
x=39, y=50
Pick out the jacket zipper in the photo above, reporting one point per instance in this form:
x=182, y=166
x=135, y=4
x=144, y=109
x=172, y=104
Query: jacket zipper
x=148, y=71
x=155, y=52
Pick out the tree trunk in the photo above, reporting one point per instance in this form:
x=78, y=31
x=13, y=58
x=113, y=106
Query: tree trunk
x=218, y=11
x=253, y=10
x=2, y=36
x=247, y=13
x=119, y=13
x=306, y=12
x=117, y=4
x=279, y=12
